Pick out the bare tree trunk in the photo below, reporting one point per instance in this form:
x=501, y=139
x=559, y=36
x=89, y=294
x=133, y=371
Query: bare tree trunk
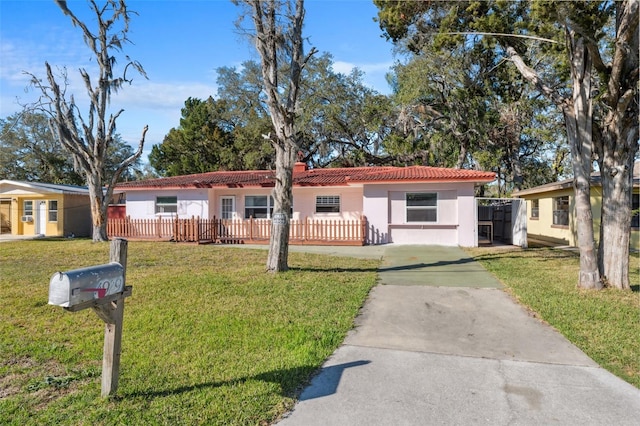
x=275, y=38
x=578, y=121
x=462, y=156
x=617, y=147
x=615, y=225
x=511, y=117
x=98, y=210
x=88, y=139
x=283, y=198
x=516, y=166
x=589, y=276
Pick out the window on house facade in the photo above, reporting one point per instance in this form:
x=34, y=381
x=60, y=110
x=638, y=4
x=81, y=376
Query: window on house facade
x=635, y=214
x=166, y=205
x=227, y=207
x=328, y=204
x=53, y=210
x=561, y=211
x=535, y=209
x=258, y=206
x=422, y=206
x=27, y=208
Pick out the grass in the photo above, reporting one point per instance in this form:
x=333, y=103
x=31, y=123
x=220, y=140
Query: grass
x=209, y=337
x=603, y=324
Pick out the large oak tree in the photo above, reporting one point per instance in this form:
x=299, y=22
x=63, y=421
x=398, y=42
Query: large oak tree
x=596, y=96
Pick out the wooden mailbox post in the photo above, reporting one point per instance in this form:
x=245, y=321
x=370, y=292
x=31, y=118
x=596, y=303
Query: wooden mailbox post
x=103, y=289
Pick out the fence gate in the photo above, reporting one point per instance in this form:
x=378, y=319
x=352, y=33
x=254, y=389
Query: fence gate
x=502, y=220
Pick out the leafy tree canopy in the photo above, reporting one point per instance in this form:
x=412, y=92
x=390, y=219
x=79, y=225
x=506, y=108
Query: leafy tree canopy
x=340, y=122
x=460, y=103
x=29, y=152
x=202, y=143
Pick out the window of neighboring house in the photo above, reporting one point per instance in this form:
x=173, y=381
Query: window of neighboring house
x=535, y=209
x=258, y=206
x=167, y=204
x=53, y=210
x=422, y=207
x=328, y=204
x=561, y=211
x=28, y=208
x=635, y=214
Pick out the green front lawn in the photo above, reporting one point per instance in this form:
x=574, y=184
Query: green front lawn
x=209, y=337
x=604, y=324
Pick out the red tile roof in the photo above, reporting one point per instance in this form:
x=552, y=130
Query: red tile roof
x=422, y=174
x=315, y=177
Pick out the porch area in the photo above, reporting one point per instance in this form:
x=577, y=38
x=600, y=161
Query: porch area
x=237, y=231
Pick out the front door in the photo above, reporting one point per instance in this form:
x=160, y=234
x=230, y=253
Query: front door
x=41, y=219
x=5, y=216
x=227, y=207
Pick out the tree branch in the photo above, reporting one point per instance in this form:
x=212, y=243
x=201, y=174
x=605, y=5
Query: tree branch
x=627, y=30
x=532, y=76
x=129, y=161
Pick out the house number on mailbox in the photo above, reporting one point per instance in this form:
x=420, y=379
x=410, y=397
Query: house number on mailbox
x=71, y=288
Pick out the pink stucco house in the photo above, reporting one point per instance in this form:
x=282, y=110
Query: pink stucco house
x=402, y=205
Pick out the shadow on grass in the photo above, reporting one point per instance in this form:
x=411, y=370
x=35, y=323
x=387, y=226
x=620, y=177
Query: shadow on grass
x=329, y=269
x=635, y=288
x=291, y=380
x=543, y=254
x=42, y=239
x=422, y=265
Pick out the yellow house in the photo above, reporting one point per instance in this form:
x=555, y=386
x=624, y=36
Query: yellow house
x=32, y=208
x=551, y=212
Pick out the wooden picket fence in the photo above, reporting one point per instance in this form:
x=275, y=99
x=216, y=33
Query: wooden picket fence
x=236, y=231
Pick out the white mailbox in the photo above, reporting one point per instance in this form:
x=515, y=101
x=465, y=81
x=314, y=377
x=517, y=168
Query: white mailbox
x=77, y=286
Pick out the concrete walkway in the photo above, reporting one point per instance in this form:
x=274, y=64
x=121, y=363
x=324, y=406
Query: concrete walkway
x=439, y=343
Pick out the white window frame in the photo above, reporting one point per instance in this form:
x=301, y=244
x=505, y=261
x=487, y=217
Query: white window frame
x=535, y=208
x=328, y=202
x=51, y=211
x=269, y=206
x=223, y=213
x=561, y=210
x=421, y=208
x=165, y=207
x=27, y=211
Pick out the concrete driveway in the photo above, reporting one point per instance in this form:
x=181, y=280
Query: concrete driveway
x=439, y=342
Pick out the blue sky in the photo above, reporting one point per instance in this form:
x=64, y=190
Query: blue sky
x=180, y=44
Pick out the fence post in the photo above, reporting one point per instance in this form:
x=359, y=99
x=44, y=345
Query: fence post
x=363, y=229
x=175, y=229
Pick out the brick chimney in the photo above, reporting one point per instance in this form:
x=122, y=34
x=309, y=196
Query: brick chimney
x=299, y=167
